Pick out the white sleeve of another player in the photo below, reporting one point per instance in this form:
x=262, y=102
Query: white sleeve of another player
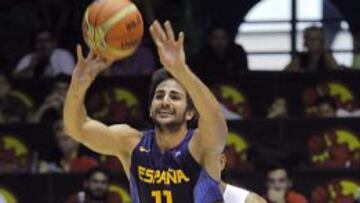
x=234, y=194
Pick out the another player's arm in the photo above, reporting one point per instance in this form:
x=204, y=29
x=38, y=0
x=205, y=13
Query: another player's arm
x=210, y=138
x=254, y=198
x=111, y=140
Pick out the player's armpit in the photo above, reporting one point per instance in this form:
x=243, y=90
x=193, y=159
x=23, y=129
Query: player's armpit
x=206, y=150
x=109, y=140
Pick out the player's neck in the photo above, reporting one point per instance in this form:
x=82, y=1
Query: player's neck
x=167, y=140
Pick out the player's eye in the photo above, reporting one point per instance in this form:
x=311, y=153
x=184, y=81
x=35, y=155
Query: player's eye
x=159, y=96
x=175, y=97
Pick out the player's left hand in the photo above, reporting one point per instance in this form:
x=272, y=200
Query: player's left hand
x=170, y=50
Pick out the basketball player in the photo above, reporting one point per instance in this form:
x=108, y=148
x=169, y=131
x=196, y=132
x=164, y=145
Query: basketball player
x=170, y=163
x=233, y=194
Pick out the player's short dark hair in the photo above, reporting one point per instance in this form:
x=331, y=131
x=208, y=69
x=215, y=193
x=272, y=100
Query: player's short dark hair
x=326, y=100
x=98, y=169
x=158, y=77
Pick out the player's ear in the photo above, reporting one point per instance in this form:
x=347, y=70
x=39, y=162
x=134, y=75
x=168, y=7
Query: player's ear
x=222, y=161
x=191, y=114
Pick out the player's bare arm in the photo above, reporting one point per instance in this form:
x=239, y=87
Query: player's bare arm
x=210, y=137
x=118, y=140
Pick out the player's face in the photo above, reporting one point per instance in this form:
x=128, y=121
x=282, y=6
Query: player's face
x=97, y=186
x=278, y=180
x=169, y=105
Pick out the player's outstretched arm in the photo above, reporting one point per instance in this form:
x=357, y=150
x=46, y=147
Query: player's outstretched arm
x=210, y=137
x=111, y=140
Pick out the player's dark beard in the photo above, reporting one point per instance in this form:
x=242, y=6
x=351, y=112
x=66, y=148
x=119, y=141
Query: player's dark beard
x=172, y=126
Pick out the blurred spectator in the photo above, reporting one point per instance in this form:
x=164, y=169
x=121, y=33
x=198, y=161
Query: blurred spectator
x=142, y=62
x=46, y=60
x=326, y=106
x=96, y=189
x=338, y=190
x=330, y=99
x=221, y=56
x=112, y=163
x=114, y=105
x=316, y=57
x=336, y=147
x=345, y=113
x=70, y=160
x=56, y=14
x=356, y=37
x=51, y=109
x=18, y=21
x=278, y=108
x=234, y=103
x=185, y=15
x=15, y=106
x=14, y=155
x=236, y=151
x=234, y=194
x=279, y=187
x=97, y=106
x=229, y=115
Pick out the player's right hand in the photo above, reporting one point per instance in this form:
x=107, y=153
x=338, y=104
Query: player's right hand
x=88, y=68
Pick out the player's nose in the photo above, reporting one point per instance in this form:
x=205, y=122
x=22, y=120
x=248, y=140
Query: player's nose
x=165, y=101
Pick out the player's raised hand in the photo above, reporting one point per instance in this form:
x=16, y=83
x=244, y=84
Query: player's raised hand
x=170, y=49
x=88, y=68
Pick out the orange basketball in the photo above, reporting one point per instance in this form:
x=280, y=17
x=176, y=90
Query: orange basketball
x=113, y=28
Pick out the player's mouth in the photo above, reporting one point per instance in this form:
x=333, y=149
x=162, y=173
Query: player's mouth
x=165, y=113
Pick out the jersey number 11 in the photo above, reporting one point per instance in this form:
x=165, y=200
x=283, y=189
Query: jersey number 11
x=159, y=194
